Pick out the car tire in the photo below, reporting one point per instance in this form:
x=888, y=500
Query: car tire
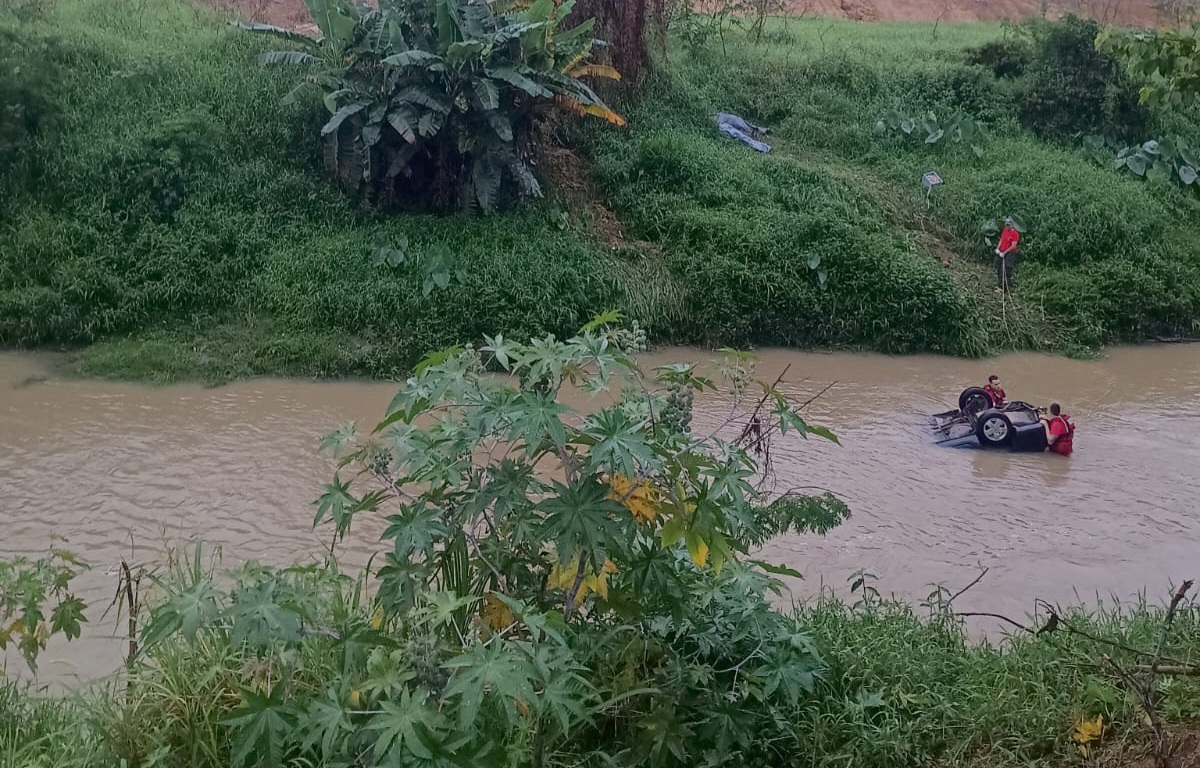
x=994, y=429
x=974, y=400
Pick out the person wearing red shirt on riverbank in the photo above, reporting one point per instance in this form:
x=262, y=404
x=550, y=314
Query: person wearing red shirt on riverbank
x=1006, y=254
x=1060, y=432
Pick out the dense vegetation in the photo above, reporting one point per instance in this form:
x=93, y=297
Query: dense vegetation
x=160, y=207
x=557, y=588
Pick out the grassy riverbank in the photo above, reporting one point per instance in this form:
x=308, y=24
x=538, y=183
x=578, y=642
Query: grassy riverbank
x=899, y=689
x=166, y=218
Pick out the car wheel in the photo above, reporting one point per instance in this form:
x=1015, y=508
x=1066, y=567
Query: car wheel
x=973, y=400
x=994, y=429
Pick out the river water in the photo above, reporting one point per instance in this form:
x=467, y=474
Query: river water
x=129, y=470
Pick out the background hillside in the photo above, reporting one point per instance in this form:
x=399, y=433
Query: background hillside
x=1130, y=12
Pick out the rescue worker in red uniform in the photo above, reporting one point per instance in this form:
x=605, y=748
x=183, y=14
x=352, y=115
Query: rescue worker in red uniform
x=1006, y=254
x=995, y=391
x=1060, y=432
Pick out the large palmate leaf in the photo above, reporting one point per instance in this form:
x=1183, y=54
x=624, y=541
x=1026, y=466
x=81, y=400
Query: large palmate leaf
x=263, y=727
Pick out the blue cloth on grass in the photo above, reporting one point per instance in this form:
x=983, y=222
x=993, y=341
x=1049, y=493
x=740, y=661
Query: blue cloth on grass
x=736, y=128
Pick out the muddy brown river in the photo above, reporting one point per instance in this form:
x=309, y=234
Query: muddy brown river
x=129, y=470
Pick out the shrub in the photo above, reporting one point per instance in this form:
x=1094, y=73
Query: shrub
x=28, y=104
x=1007, y=58
x=1075, y=88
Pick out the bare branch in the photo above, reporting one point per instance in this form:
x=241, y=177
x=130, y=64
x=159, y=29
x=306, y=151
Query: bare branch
x=960, y=592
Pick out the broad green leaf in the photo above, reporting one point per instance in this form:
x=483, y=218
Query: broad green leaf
x=413, y=58
x=581, y=518
x=501, y=125
x=185, y=612
x=340, y=117
x=280, y=32
x=537, y=418
x=262, y=728
x=423, y=97
x=935, y=137
x=1159, y=172
x=403, y=122
x=907, y=126
x=259, y=618
x=326, y=721
x=408, y=725
x=337, y=19
x=491, y=670
x=1187, y=174
x=814, y=260
x=500, y=348
x=823, y=432
x=67, y=617
x=294, y=58
x=880, y=128
x=488, y=94
x=415, y=531
x=486, y=178
x=778, y=570
x=620, y=447
x=515, y=78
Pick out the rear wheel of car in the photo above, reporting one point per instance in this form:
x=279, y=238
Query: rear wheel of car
x=994, y=429
x=974, y=400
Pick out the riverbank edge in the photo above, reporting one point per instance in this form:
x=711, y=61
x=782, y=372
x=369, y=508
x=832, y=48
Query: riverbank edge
x=904, y=679
x=167, y=359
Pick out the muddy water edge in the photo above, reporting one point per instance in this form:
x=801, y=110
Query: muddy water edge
x=126, y=470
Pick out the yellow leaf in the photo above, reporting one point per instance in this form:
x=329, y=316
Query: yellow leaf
x=642, y=500
x=1087, y=731
x=42, y=634
x=698, y=549
x=356, y=699
x=593, y=110
x=377, y=618
x=495, y=614
x=560, y=577
x=523, y=708
x=564, y=578
x=595, y=70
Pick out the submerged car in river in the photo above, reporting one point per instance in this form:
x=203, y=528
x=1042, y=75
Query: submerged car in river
x=1014, y=426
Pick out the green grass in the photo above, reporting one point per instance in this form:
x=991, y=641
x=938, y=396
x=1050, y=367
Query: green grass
x=900, y=689
x=171, y=223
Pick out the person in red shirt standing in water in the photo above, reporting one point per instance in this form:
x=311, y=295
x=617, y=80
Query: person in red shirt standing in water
x=1006, y=254
x=1060, y=432
x=995, y=392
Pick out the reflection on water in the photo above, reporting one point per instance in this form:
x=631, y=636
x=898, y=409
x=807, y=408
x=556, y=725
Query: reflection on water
x=124, y=470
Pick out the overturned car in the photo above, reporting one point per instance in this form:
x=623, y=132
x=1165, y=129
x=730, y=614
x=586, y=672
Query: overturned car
x=1015, y=426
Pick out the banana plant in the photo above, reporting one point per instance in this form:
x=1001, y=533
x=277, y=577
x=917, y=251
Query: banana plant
x=431, y=102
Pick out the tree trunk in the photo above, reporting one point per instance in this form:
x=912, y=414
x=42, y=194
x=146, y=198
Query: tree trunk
x=630, y=27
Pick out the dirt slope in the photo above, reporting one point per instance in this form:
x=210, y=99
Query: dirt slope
x=1135, y=12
